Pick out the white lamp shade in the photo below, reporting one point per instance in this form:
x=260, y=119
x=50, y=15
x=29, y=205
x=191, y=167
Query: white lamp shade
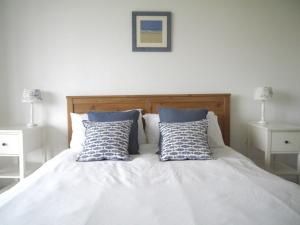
x=32, y=95
x=263, y=93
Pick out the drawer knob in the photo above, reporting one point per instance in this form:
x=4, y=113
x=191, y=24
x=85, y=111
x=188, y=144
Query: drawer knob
x=286, y=142
x=4, y=144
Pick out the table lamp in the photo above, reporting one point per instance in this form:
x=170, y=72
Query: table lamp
x=263, y=94
x=31, y=96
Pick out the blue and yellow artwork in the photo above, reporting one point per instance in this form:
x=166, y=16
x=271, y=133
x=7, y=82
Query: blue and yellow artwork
x=151, y=31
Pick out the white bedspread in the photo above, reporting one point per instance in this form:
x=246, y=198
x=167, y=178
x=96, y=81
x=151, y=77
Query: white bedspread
x=229, y=190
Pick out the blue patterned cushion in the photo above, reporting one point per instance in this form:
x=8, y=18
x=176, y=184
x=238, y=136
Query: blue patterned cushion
x=171, y=115
x=186, y=140
x=133, y=115
x=105, y=141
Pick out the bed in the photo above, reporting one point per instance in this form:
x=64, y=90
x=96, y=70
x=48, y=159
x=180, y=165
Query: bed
x=228, y=190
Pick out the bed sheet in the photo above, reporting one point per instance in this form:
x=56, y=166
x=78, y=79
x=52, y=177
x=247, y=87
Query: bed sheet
x=228, y=190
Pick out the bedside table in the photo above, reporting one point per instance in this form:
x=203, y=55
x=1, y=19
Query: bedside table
x=15, y=144
x=275, y=138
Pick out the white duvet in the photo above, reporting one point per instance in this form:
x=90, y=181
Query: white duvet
x=229, y=190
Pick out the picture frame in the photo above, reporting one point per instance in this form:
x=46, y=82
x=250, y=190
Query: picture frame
x=151, y=31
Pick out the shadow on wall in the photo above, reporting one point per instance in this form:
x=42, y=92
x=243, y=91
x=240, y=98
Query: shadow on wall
x=282, y=100
x=238, y=124
x=48, y=98
x=55, y=138
x=284, y=97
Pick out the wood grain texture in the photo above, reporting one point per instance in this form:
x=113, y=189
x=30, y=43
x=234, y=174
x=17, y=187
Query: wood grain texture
x=218, y=103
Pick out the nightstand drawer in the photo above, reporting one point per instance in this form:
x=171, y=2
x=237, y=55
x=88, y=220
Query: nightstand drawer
x=10, y=143
x=285, y=142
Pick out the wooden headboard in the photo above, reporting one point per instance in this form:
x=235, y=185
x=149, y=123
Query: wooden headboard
x=218, y=103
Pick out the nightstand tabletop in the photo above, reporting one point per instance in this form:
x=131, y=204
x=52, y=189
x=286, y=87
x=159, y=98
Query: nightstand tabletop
x=18, y=128
x=276, y=126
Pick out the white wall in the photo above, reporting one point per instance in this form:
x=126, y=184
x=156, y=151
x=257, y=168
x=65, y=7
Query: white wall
x=83, y=47
x=2, y=75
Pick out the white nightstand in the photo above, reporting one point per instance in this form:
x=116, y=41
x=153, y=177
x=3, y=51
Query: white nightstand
x=275, y=138
x=15, y=144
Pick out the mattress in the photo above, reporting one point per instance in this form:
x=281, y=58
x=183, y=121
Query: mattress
x=228, y=190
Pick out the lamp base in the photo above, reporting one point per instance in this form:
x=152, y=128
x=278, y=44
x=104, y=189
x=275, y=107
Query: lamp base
x=31, y=125
x=262, y=122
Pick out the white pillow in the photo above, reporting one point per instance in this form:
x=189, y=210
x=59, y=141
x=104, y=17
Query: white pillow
x=214, y=133
x=78, y=130
x=152, y=128
x=78, y=135
x=141, y=132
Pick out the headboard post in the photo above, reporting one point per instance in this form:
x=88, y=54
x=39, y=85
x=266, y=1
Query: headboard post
x=70, y=109
x=226, y=129
x=218, y=103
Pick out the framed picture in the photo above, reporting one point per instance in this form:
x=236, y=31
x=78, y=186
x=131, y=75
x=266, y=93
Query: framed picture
x=151, y=31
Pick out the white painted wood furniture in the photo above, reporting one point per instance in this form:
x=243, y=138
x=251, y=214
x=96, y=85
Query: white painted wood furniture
x=275, y=138
x=15, y=144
